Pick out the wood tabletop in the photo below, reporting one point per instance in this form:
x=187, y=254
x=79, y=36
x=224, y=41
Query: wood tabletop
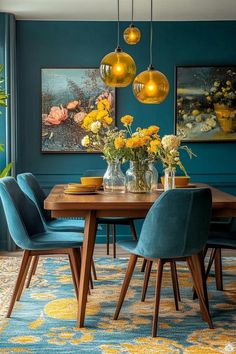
x=58, y=200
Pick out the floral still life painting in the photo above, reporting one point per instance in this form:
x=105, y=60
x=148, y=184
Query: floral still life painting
x=206, y=103
x=68, y=96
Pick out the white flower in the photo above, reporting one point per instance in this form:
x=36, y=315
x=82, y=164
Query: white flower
x=170, y=142
x=95, y=126
x=85, y=141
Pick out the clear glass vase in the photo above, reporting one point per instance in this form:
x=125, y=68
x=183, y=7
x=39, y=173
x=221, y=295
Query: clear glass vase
x=138, y=177
x=114, y=178
x=154, y=183
x=169, y=181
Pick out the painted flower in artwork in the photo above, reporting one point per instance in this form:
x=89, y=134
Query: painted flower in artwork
x=56, y=116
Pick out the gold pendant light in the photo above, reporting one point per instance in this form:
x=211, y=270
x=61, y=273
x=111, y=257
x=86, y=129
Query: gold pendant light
x=132, y=34
x=117, y=69
x=151, y=86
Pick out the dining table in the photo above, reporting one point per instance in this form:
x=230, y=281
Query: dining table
x=103, y=204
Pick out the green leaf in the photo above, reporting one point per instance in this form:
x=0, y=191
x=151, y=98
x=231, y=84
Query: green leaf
x=1, y=147
x=6, y=170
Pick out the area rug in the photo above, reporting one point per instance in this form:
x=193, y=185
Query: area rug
x=45, y=318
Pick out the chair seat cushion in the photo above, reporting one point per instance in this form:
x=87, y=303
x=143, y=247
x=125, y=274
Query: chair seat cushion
x=55, y=240
x=222, y=239
x=128, y=245
x=66, y=225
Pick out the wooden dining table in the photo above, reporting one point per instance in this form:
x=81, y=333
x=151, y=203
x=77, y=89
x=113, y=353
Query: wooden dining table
x=104, y=204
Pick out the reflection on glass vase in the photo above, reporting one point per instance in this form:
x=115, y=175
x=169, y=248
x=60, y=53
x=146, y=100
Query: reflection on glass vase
x=114, y=178
x=169, y=180
x=154, y=183
x=138, y=177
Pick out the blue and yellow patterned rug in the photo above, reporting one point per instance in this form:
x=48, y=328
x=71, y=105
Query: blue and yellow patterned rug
x=45, y=318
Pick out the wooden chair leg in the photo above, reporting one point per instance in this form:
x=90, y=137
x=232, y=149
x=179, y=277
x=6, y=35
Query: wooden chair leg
x=94, y=270
x=125, y=285
x=157, y=296
x=133, y=231
x=144, y=265
x=21, y=287
x=108, y=239
x=35, y=260
x=73, y=275
x=90, y=277
x=175, y=284
x=196, y=269
x=146, y=279
x=23, y=265
x=218, y=270
x=211, y=260
x=75, y=261
x=114, y=239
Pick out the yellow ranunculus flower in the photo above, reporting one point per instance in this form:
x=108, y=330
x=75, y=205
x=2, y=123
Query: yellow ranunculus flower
x=154, y=146
x=119, y=142
x=127, y=120
x=103, y=105
x=108, y=120
x=101, y=114
x=153, y=129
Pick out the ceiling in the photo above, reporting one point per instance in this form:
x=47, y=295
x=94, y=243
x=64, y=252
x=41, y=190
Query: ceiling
x=106, y=10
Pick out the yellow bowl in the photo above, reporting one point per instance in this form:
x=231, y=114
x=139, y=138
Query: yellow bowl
x=180, y=181
x=92, y=181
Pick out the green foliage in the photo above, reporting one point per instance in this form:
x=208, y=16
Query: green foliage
x=3, y=98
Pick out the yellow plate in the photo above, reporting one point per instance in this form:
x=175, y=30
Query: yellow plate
x=66, y=191
x=80, y=187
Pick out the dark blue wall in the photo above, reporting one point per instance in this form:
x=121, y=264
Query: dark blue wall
x=83, y=44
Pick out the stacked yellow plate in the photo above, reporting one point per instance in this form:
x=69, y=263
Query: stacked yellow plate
x=77, y=188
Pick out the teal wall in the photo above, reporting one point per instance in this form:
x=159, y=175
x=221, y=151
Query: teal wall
x=83, y=44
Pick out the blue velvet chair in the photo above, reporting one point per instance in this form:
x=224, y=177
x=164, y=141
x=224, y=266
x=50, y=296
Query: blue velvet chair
x=222, y=236
x=30, y=186
x=29, y=233
x=175, y=228
x=112, y=221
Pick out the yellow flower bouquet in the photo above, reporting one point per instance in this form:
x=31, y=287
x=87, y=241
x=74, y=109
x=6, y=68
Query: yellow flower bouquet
x=139, y=147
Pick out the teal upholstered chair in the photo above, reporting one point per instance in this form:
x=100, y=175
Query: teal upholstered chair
x=222, y=236
x=29, y=233
x=30, y=186
x=175, y=228
x=112, y=221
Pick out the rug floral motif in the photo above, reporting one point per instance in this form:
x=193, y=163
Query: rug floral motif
x=45, y=317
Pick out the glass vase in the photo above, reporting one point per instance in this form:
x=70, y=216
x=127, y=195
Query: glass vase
x=169, y=181
x=138, y=177
x=154, y=183
x=114, y=178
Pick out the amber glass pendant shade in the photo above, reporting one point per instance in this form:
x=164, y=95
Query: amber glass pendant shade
x=150, y=86
x=132, y=35
x=117, y=69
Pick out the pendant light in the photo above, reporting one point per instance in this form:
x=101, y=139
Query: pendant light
x=151, y=86
x=117, y=69
x=132, y=34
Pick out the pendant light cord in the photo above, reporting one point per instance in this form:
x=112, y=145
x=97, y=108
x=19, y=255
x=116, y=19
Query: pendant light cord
x=118, y=23
x=151, y=35
x=132, y=16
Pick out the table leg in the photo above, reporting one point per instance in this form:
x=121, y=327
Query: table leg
x=88, y=248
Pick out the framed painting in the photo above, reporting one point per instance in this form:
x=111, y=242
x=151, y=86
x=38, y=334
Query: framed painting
x=205, y=103
x=67, y=96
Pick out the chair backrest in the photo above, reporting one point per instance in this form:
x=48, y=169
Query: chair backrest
x=30, y=186
x=177, y=225
x=23, y=218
